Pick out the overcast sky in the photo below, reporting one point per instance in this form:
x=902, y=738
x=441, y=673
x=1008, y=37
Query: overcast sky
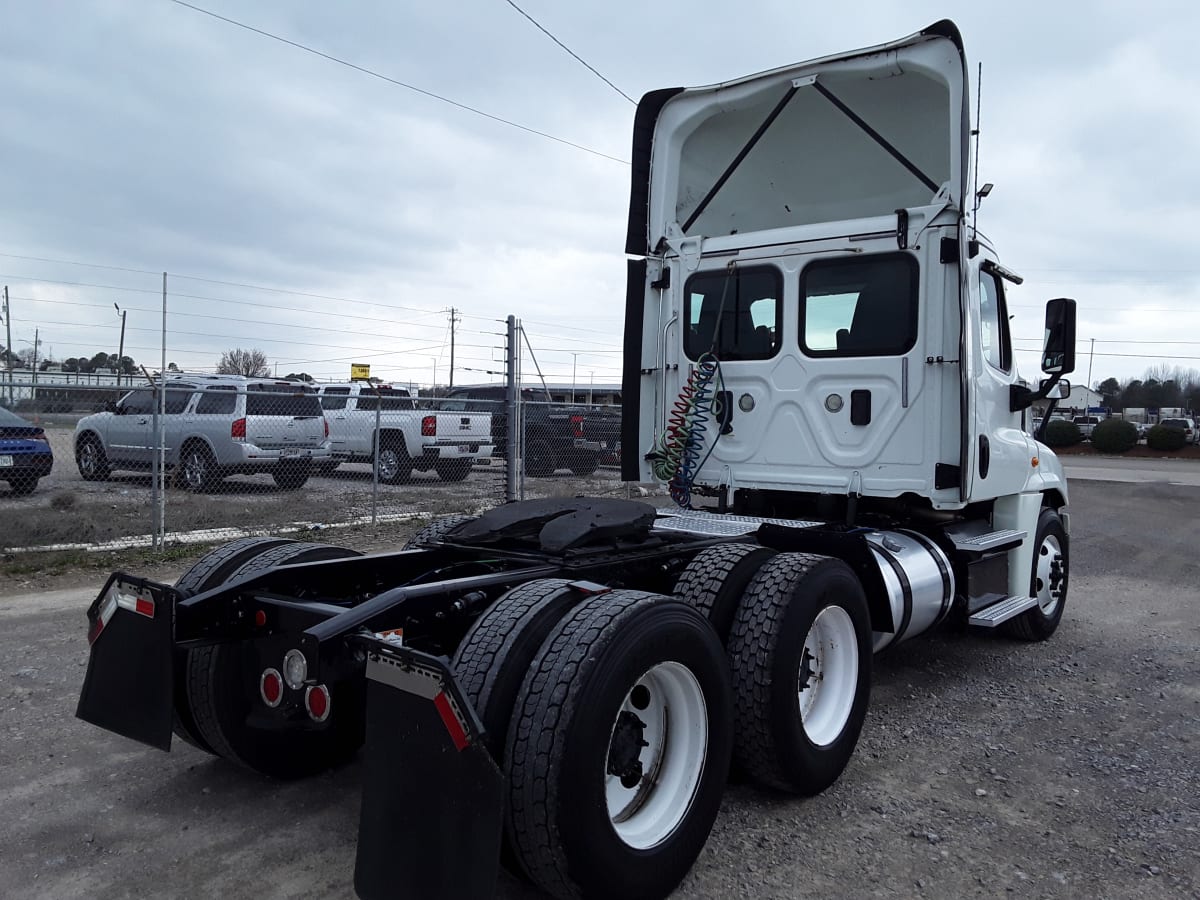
x=141, y=134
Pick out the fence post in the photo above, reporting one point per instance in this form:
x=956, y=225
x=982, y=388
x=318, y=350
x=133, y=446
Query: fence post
x=512, y=410
x=378, y=447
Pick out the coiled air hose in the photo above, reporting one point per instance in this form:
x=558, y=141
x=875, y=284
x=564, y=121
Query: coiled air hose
x=677, y=457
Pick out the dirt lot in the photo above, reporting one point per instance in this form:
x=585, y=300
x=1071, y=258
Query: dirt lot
x=986, y=768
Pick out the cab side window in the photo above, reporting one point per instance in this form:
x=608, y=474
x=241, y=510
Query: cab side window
x=993, y=323
x=334, y=398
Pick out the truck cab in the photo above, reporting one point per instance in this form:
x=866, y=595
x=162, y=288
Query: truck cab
x=815, y=327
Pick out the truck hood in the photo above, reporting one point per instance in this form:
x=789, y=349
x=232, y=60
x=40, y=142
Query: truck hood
x=852, y=136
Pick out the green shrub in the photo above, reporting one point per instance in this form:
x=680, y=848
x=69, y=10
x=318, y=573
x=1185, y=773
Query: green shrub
x=1114, y=436
x=1160, y=437
x=1061, y=433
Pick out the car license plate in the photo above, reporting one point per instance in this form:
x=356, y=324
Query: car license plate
x=5, y=461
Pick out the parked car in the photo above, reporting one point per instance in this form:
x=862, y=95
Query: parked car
x=214, y=426
x=25, y=454
x=449, y=443
x=1188, y=426
x=557, y=436
x=1086, y=425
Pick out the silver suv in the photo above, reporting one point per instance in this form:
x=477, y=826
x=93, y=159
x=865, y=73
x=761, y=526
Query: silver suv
x=214, y=426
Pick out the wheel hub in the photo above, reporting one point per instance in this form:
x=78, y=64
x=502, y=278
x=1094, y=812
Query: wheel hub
x=807, y=671
x=624, y=751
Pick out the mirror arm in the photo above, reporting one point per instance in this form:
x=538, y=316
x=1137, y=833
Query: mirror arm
x=1021, y=397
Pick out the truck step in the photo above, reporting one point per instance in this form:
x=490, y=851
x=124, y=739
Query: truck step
x=991, y=616
x=1004, y=539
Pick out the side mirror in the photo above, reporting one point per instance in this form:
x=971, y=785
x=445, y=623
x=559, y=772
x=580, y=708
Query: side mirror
x=1058, y=351
x=1060, y=390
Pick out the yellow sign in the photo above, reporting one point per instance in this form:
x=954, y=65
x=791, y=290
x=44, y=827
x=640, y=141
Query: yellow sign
x=359, y=371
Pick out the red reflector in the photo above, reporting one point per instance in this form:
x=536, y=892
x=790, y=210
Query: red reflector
x=94, y=631
x=271, y=687
x=429, y=426
x=260, y=618
x=577, y=425
x=144, y=607
x=450, y=720
x=237, y=430
x=317, y=699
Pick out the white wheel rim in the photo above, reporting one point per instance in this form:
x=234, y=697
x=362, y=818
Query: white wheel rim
x=1047, y=586
x=194, y=469
x=828, y=679
x=669, y=705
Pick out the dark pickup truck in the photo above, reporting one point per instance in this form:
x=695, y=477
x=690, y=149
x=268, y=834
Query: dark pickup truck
x=557, y=436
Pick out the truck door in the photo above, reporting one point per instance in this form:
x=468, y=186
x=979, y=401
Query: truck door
x=1001, y=451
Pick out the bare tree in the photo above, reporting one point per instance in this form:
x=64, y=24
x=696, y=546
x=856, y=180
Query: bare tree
x=243, y=362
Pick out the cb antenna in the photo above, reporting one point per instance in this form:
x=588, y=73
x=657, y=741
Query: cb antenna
x=975, y=134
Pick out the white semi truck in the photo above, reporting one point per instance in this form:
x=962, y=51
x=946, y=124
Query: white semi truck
x=818, y=367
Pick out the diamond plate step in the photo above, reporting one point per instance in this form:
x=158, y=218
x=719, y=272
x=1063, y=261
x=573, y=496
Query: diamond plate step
x=991, y=616
x=993, y=540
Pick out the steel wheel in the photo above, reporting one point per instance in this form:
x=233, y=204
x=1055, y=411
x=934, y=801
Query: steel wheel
x=1048, y=575
x=656, y=754
x=828, y=675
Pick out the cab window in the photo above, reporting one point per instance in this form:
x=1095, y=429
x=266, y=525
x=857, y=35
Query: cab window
x=859, y=307
x=733, y=314
x=993, y=323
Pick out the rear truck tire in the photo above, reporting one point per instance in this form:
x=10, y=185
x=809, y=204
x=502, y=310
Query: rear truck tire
x=618, y=748
x=1048, y=581
x=23, y=486
x=197, y=470
x=453, y=469
x=291, y=476
x=91, y=459
x=209, y=571
x=394, y=464
x=800, y=650
x=539, y=460
x=585, y=464
x=435, y=531
x=498, y=649
x=716, y=578
x=223, y=692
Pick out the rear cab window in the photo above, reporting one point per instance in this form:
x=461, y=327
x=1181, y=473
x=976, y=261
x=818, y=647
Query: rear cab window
x=734, y=315
x=333, y=398
x=859, y=307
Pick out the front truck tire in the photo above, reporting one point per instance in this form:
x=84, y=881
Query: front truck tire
x=222, y=689
x=1048, y=581
x=618, y=748
x=800, y=650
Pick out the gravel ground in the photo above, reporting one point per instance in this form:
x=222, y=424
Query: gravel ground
x=986, y=768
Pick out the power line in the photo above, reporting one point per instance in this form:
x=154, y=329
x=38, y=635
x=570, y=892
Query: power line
x=577, y=57
x=405, y=85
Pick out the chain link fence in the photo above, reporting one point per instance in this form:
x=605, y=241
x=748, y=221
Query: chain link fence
x=211, y=457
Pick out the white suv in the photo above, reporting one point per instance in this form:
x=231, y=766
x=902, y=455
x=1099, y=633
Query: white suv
x=214, y=426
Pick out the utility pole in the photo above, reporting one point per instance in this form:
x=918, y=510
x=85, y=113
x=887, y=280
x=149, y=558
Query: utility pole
x=8, y=346
x=574, y=364
x=1091, y=356
x=120, y=347
x=453, y=321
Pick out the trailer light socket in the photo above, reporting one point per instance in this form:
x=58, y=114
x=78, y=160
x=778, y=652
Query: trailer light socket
x=295, y=669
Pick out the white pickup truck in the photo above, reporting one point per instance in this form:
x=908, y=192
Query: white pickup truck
x=449, y=443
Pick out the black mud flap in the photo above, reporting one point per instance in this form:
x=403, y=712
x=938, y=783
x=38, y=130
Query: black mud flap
x=128, y=688
x=433, y=797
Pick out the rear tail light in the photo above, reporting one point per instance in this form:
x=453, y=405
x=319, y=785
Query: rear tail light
x=295, y=669
x=577, y=426
x=40, y=437
x=429, y=426
x=237, y=430
x=270, y=687
x=325, y=422
x=318, y=702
